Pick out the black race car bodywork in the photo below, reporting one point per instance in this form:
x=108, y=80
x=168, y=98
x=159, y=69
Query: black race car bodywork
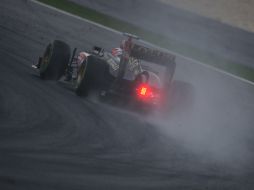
x=99, y=71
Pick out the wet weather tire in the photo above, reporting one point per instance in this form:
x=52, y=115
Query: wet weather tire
x=55, y=60
x=82, y=85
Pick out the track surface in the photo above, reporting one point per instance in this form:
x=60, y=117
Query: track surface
x=51, y=139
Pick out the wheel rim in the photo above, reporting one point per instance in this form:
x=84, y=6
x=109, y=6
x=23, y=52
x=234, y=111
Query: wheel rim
x=80, y=77
x=45, y=59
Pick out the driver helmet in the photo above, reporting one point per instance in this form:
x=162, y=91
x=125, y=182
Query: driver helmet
x=81, y=57
x=117, y=52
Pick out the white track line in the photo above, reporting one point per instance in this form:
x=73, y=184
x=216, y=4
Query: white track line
x=148, y=43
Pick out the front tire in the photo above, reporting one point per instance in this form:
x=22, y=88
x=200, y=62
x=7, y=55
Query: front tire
x=82, y=84
x=55, y=60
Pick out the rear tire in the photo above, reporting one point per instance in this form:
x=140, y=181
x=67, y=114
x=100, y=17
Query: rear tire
x=55, y=60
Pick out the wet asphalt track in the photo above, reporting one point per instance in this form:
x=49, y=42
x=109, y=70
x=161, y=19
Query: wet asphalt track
x=52, y=139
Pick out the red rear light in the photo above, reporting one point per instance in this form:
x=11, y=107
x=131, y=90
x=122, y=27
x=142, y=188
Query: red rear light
x=144, y=91
x=148, y=94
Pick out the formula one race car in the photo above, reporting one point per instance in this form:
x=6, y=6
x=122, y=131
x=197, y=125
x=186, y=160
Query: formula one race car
x=133, y=73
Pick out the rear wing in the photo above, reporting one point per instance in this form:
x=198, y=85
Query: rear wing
x=151, y=55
